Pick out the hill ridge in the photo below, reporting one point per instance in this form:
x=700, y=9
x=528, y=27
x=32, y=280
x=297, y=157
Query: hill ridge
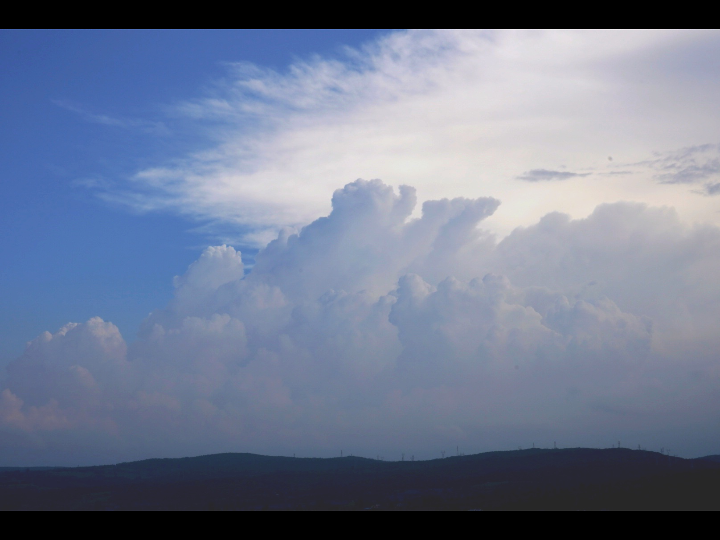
x=534, y=478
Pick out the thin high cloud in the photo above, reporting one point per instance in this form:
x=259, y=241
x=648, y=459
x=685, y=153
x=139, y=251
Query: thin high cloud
x=543, y=175
x=376, y=332
x=148, y=126
x=453, y=113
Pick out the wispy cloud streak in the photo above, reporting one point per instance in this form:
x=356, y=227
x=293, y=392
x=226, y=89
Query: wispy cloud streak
x=148, y=126
x=543, y=175
x=455, y=113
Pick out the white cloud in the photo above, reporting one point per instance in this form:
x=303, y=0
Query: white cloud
x=453, y=113
x=372, y=330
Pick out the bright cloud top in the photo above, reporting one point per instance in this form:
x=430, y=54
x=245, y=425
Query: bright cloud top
x=455, y=114
x=377, y=332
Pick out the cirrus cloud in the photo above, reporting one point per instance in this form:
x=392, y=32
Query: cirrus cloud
x=454, y=113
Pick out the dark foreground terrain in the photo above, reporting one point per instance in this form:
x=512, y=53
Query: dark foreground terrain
x=571, y=479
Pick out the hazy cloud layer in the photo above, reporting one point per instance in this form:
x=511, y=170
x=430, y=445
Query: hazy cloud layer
x=378, y=333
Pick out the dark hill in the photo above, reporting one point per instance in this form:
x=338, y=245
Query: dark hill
x=524, y=479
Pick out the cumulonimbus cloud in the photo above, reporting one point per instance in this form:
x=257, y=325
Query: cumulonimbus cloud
x=375, y=331
x=454, y=113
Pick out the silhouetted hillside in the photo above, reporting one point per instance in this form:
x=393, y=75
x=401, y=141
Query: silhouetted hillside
x=524, y=479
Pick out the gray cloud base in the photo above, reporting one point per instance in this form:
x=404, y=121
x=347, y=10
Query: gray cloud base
x=690, y=165
x=377, y=333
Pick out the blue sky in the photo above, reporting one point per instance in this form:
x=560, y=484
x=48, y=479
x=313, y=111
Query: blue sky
x=66, y=254
x=292, y=242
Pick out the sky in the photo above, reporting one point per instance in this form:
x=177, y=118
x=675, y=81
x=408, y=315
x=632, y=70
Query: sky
x=297, y=242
